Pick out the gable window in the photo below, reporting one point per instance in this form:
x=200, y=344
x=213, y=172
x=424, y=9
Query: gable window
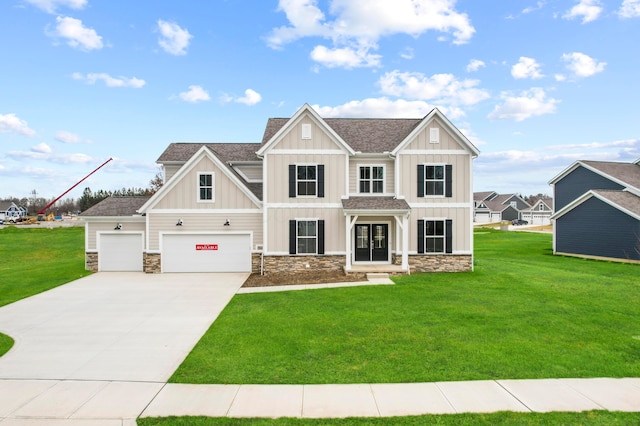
x=205, y=187
x=513, y=204
x=435, y=180
x=306, y=180
x=435, y=236
x=371, y=180
x=306, y=236
x=541, y=206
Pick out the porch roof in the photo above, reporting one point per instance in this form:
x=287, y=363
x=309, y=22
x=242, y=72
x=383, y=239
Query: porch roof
x=375, y=204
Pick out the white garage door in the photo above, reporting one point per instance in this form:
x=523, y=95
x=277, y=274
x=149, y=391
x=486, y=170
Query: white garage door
x=120, y=252
x=482, y=217
x=206, y=253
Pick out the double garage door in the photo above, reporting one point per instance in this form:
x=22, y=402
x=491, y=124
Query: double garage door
x=206, y=252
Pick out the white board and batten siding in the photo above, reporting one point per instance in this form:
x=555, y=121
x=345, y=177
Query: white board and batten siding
x=120, y=251
x=206, y=252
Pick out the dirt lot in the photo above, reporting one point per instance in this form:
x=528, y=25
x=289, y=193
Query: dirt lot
x=311, y=277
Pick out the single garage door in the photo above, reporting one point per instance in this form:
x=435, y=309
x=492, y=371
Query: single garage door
x=206, y=253
x=120, y=252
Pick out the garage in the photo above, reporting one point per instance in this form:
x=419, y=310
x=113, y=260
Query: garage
x=120, y=252
x=206, y=252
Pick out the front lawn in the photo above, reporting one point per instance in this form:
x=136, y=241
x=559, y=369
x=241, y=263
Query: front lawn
x=523, y=313
x=33, y=260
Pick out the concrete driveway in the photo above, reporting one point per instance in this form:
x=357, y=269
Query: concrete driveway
x=113, y=326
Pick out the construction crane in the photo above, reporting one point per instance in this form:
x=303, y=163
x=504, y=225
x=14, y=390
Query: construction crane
x=44, y=209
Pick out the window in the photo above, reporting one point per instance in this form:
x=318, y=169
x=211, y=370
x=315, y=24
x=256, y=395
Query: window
x=541, y=207
x=306, y=180
x=435, y=236
x=205, y=187
x=513, y=204
x=371, y=179
x=306, y=236
x=435, y=180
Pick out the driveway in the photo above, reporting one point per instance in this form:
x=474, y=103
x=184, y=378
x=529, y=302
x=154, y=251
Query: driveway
x=113, y=326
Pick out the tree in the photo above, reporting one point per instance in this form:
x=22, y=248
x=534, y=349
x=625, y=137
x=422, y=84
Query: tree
x=156, y=183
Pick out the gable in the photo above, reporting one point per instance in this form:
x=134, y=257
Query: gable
x=315, y=137
x=577, y=182
x=181, y=191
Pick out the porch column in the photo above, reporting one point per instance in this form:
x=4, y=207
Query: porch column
x=405, y=242
x=347, y=243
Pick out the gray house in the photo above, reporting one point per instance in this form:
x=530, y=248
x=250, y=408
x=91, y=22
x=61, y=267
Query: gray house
x=597, y=210
x=493, y=207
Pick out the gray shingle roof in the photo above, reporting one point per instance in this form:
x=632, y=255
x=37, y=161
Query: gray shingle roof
x=624, y=199
x=480, y=196
x=368, y=135
x=626, y=172
x=375, y=203
x=116, y=206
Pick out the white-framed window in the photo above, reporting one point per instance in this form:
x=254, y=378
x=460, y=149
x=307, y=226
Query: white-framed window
x=307, y=236
x=306, y=180
x=434, y=238
x=206, y=182
x=371, y=179
x=513, y=204
x=434, y=176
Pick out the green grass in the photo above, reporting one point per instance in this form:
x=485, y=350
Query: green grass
x=502, y=418
x=33, y=260
x=523, y=313
x=6, y=343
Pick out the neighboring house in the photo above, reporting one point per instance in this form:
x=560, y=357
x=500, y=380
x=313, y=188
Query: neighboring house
x=539, y=213
x=490, y=207
x=316, y=193
x=9, y=209
x=597, y=210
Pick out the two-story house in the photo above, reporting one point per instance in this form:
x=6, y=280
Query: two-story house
x=316, y=193
x=491, y=207
x=597, y=210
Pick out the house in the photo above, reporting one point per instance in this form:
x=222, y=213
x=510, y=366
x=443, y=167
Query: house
x=315, y=193
x=490, y=207
x=597, y=210
x=540, y=212
x=9, y=210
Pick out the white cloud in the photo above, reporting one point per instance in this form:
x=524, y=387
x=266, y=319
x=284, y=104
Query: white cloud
x=357, y=25
x=50, y=6
x=195, y=94
x=42, y=148
x=384, y=108
x=251, y=97
x=345, y=57
x=441, y=89
x=529, y=103
x=77, y=35
x=76, y=158
x=526, y=68
x=407, y=53
x=539, y=5
x=589, y=10
x=582, y=65
x=109, y=81
x=560, y=77
x=475, y=65
x=11, y=123
x=173, y=39
x=70, y=138
x=630, y=9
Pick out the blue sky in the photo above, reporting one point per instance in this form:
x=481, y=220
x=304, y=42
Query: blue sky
x=535, y=85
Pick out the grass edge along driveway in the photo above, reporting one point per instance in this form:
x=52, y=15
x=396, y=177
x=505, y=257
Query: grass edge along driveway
x=523, y=313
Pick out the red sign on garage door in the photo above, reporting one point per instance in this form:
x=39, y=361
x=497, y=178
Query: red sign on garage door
x=206, y=247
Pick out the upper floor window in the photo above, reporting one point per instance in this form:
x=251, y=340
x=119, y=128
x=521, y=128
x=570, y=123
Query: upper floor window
x=306, y=180
x=435, y=180
x=205, y=187
x=513, y=204
x=541, y=206
x=371, y=179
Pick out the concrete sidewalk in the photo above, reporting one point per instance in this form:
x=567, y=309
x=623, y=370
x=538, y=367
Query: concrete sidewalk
x=50, y=402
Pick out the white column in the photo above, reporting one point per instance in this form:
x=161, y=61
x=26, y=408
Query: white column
x=405, y=242
x=347, y=242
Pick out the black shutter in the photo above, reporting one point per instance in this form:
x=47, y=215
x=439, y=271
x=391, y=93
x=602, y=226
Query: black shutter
x=320, y=180
x=420, y=236
x=292, y=237
x=448, y=236
x=448, y=180
x=292, y=181
x=421, y=180
x=321, y=237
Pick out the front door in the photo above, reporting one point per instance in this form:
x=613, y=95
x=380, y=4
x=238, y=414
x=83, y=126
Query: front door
x=371, y=243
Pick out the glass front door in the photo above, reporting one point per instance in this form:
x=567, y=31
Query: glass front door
x=371, y=242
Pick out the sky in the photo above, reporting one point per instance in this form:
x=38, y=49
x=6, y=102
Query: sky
x=535, y=85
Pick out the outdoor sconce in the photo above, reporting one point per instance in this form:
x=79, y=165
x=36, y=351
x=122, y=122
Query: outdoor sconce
x=118, y=227
x=179, y=222
x=227, y=223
